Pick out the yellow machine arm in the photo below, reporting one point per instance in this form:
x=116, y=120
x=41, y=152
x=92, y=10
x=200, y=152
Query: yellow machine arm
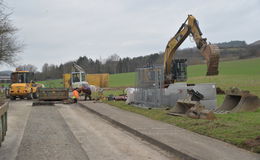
x=210, y=52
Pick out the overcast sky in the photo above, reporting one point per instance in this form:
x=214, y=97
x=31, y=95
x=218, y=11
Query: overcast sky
x=57, y=31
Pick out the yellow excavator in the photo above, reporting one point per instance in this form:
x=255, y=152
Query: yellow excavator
x=209, y=51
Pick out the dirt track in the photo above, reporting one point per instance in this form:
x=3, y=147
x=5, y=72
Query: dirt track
x=68, y=132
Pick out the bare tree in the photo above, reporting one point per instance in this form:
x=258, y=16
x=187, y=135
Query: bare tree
x=114, y=57
x=9, y=46
x=111, y=63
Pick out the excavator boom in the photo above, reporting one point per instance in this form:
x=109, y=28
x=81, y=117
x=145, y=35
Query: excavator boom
x=208, y=51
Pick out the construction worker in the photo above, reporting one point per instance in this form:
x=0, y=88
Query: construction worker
x=75, y=95
x=87, y=91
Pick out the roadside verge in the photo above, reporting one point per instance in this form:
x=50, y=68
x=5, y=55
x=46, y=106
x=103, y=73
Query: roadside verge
x=180, y=142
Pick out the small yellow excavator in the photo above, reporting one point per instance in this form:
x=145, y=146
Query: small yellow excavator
x=76, y=78
x=23, y=85
x=209, y=51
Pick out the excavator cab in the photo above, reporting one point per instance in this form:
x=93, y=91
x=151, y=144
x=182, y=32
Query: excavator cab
x=179, y=70
x=22, y=77
x=77, y=77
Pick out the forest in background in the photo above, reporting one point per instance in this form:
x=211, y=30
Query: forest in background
x=232, y=50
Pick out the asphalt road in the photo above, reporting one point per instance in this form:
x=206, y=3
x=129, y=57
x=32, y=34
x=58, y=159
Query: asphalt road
x=68, y=132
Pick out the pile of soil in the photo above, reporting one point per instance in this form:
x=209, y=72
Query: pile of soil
x=220, y=91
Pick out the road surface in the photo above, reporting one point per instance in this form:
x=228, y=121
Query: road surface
x=68, y=132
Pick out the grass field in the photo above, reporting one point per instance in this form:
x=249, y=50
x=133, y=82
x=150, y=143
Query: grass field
x=57, y=83
x=242, y=73
x=122, y=80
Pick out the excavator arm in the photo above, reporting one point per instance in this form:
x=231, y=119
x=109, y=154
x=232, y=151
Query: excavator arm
x=77, y=68
x=210, y=52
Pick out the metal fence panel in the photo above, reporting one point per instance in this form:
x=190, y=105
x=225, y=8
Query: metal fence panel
x=150, y=91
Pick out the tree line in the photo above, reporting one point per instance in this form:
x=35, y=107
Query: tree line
x=115, y=64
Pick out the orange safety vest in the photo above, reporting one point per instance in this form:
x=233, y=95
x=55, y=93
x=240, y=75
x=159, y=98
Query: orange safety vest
x=75, y=94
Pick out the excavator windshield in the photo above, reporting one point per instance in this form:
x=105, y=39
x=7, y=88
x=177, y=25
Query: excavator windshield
x=22, y=77
x=78, y=77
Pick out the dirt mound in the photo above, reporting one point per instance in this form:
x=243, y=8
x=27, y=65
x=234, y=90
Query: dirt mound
x=254, y=144
x=220, y=91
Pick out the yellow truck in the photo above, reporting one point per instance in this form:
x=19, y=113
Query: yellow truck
x=23, y=85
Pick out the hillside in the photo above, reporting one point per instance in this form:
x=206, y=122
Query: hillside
x=255, y=43
x=233, y=50
x=241, y=73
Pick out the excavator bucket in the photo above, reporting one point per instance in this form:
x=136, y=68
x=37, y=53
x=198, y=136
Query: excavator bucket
x=238, y=101
x=184, y=105
x=192, y=109
x=211, y=54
